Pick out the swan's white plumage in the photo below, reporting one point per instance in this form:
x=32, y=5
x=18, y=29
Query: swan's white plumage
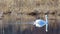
x=36, y=23
x=41, y=23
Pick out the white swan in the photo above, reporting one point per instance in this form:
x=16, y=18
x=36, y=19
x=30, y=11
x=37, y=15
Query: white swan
x=41, y=23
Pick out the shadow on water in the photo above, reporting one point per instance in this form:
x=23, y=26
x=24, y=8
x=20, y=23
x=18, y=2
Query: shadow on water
x=9, y=30
x=42, y=31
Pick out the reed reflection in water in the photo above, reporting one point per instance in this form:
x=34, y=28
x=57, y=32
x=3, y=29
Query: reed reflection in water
x=12, y=29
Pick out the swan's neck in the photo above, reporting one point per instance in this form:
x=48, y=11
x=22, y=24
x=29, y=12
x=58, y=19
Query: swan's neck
x=46, y=23
x=46, y=18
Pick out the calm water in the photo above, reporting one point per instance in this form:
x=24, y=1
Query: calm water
x=10, y=30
